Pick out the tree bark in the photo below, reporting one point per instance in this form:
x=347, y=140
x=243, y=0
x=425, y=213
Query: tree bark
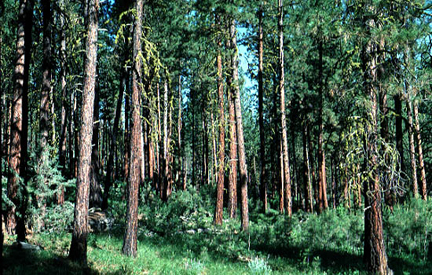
x=286, y=168
x=412, y=145
x=63, y=123
x=307, y=173
x=78, y=249
x=374, y=250
x=263, y=179
x=135, y=180
x=232, y=178
x=95, y=185
x=241, y=146
x=322, y=183
x=221, y=171
x=19, y=122
x=423, y=187
x=399, y=130
x=46, y=74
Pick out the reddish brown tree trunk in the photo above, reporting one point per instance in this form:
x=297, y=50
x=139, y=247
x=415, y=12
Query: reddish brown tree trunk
x=286, y=167
x=135, y=180
x=78, y=249
x=240, y=137
x=322, y=183
x=374, y=250
x=19, y=122
x=232, y=178
x=221, y=172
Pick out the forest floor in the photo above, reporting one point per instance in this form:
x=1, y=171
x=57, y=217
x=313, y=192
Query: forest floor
x=179, y=238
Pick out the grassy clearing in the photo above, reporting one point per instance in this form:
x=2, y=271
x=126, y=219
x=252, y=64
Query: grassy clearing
x=179, y=238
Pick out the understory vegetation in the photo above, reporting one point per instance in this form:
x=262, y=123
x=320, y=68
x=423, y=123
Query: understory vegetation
x=179, y=237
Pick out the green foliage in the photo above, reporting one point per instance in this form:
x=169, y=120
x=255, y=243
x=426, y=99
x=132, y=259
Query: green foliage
x=409, y=229
x=259, y=266
x=42, y=191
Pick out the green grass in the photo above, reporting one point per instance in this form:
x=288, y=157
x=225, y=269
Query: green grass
x=330, y=243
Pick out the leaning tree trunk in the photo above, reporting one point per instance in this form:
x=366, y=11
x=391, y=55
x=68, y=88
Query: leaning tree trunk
x=221, y=173
x=240, y=137
x=78, y=249
x=286, y=170
x=135, y=180
x=19, y=121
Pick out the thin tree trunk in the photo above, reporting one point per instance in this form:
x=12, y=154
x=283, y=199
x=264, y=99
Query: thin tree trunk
x=240, y=137
x=63, y=124
x=78, y=249
x=412, y=145
x=399, y=130
x=286, y=168
x=2, y=144
x=307, y=173
x=322, y=183
x=164, y=182
x=135, y=180
x=110, y=168
x=261, y=109
x=423, y=187
x=221, y=172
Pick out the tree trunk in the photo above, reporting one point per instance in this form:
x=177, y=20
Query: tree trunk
x=322, y=183
x=95, y=185
x=2, y=107
x=374, y=250
x=232, y=178
x=423, y=187
x=165, y=164
x=19, y=122
x=63, y=124
x=307, y=173
x=221, y=172
x=412, y=145
x=286, y=168
x=78, y=249
x=46, y=74
x=110, y=169
x=261, y=108
x=135, y=180
x=399, y=130
x=241, y=146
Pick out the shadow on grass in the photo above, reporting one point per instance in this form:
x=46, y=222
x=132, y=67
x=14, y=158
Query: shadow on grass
x=19, y=261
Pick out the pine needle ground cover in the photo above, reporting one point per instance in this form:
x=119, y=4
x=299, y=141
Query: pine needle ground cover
x=178, y=238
